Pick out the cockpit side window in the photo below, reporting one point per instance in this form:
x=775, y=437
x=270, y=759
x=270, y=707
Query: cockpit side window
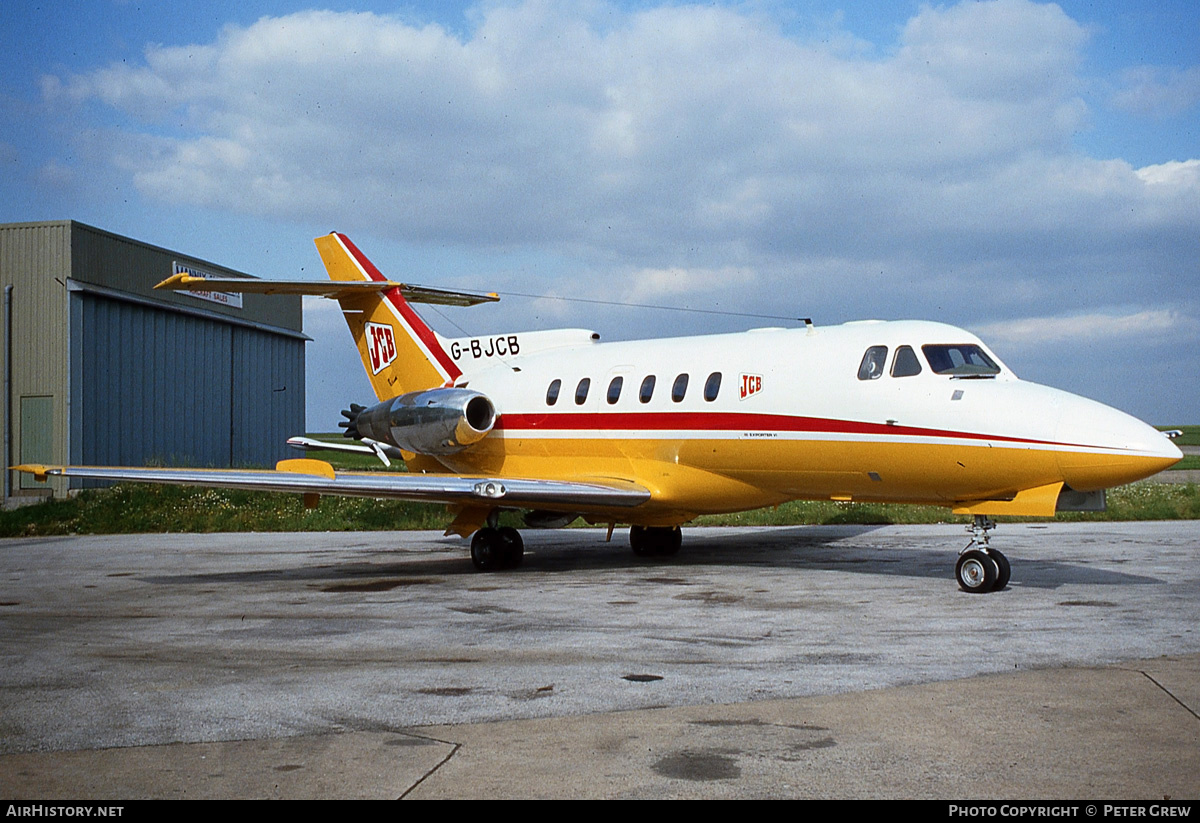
x=871, y=367
x=960, y=360
x=906, y=363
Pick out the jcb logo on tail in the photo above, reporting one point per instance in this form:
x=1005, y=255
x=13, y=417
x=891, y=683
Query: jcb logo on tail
x=381, y=346
x=751, y=384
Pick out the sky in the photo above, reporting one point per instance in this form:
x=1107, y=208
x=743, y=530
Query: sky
x=1027, y=171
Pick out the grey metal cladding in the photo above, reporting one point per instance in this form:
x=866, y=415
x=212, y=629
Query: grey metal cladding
x=269, y=395
x=141, y=375
x=199, y=392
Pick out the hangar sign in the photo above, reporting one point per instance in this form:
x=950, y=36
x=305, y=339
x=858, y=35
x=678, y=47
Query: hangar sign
x=223, y=297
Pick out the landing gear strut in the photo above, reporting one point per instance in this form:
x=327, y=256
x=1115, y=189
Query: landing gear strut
x=981, y=568
x=651, y=541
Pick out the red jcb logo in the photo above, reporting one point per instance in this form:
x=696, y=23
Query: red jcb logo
x=751, y=384
x=381, y=346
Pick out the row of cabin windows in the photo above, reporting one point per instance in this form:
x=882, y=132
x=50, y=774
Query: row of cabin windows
x=712, y=386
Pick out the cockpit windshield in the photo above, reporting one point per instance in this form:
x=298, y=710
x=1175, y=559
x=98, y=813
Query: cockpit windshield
x=960, y=360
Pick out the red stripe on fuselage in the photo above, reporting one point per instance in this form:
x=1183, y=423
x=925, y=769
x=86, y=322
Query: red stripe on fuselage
x=413, y=319
x=700, y=422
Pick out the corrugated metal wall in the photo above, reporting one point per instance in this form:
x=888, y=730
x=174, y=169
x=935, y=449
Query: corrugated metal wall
x=169, y=404
x=269, y=397
x=200, y=393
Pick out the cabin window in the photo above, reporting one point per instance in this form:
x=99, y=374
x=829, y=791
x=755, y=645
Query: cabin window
x=647, y=389
x=906, y=363
x=679, y=389
x=552, y=392
x=712, y=386
x=961, y=360
x=614, y=389
x=581, y=391
x=871, y=367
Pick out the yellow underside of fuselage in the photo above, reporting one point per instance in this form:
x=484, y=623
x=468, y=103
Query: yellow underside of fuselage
x=687, y=478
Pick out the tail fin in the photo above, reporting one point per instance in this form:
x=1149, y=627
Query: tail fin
x=400, y=353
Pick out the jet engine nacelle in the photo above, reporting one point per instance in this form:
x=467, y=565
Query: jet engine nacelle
x=433, y=421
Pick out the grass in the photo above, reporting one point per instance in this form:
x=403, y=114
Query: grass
x=138, y=508
x=348, y=461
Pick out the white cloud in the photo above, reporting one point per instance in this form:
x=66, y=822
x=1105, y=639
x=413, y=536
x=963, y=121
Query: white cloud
x=1007, y=50
x=55, y=174
x=548, y=124
x=936, y=176
x=1185, y=175
x=1158, y=91
x=654, y=284
x=1150, y=325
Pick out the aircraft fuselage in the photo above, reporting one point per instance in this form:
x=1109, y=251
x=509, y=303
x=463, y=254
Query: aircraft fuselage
x=799, y=413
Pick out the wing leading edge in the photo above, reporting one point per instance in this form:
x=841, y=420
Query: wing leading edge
x=306, y=476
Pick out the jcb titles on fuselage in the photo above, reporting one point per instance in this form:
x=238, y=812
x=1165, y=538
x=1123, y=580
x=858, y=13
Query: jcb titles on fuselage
x=479, y=347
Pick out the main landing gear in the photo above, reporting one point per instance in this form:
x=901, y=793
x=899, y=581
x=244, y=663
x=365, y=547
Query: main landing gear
x=981, y=568
x=655, y=541
x=493, y=549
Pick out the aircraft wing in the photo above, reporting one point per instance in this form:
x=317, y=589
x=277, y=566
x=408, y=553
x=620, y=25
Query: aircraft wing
x=334, y=289
x=307, y=476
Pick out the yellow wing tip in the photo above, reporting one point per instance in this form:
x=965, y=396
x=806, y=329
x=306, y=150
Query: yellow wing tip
x=38, y=471
x=179, y=281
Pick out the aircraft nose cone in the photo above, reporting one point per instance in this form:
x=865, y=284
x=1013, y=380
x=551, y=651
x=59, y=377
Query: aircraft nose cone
x=1109, y=448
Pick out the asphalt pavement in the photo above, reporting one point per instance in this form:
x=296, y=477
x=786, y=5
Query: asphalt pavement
x=835, y=661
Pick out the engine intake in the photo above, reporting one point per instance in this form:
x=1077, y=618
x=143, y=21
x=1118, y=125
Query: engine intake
x=434, y=421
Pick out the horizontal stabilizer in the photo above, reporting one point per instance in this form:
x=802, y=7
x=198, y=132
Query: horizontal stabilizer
x=335, y=290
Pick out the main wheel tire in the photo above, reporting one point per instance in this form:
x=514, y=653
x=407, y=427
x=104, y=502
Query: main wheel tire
x=640, y=541
x=670, y=541
x=976, y=572
x=512, y=547
x=1003, y=569
x=487, y=549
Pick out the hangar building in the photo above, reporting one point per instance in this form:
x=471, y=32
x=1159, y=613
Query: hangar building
x=100, y=369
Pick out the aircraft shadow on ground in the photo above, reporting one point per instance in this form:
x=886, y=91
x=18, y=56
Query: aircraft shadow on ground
x=801, y=548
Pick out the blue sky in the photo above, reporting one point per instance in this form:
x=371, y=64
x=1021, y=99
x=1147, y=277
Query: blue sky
x=1028, y=171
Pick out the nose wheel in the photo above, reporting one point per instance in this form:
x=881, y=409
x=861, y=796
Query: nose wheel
x=980, y=568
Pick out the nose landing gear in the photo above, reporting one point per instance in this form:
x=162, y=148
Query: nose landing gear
x=981, y=568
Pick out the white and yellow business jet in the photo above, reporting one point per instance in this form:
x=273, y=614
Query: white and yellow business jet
x=652, y=433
